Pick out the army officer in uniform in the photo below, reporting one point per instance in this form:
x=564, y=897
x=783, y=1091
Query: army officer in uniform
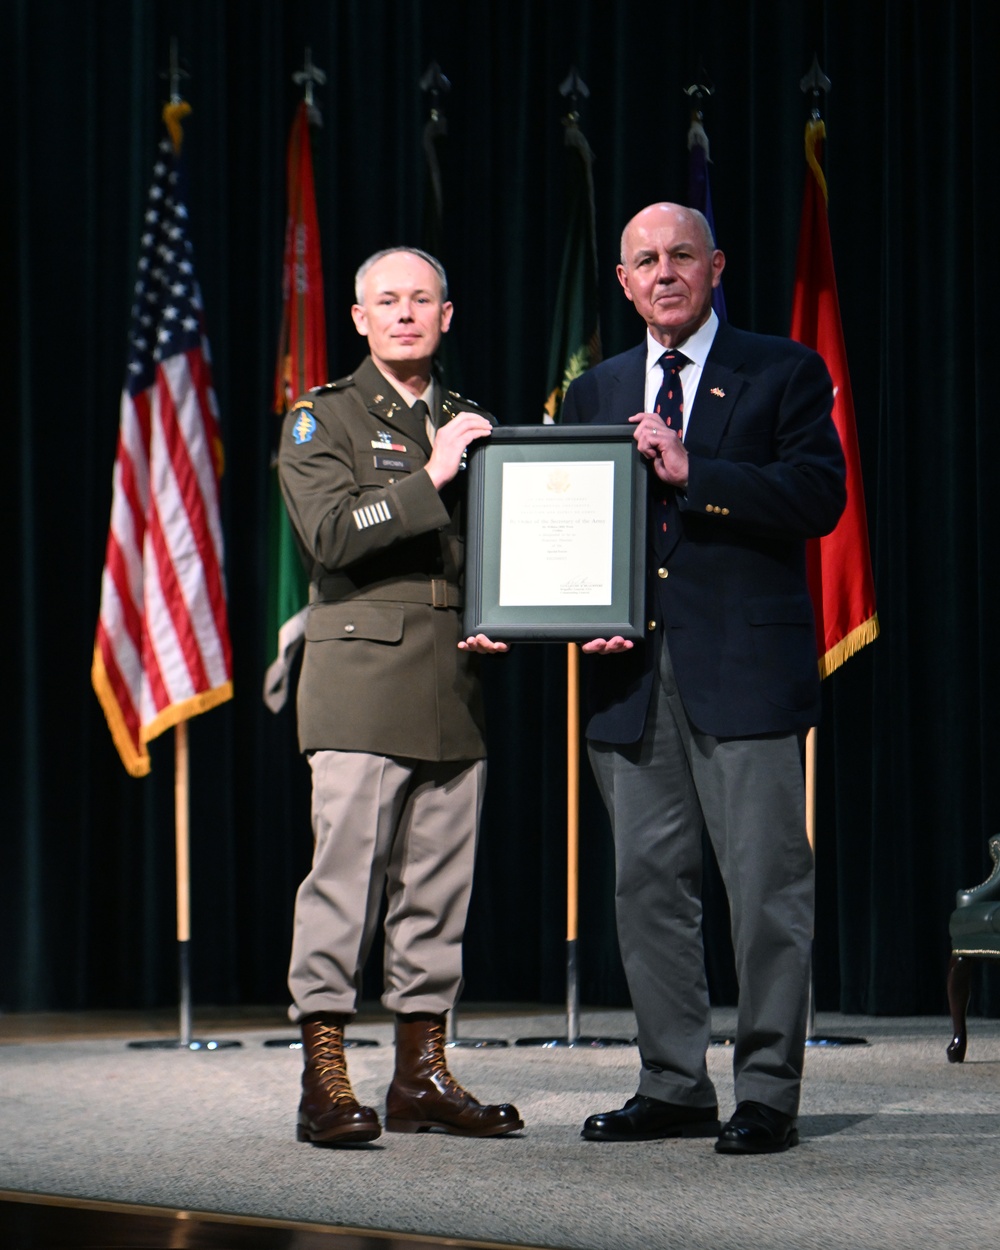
x=389, y=708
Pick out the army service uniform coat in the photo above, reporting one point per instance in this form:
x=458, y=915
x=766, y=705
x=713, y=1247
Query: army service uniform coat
x=381, y=671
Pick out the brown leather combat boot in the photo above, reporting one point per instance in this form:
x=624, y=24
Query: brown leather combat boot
x=425, y=1097
x=329, y=1111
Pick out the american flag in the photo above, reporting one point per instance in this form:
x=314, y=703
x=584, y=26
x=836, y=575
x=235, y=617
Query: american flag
x=162, y=651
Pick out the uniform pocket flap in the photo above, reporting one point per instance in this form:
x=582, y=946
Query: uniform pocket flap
x=779, y=610
x=375, y=622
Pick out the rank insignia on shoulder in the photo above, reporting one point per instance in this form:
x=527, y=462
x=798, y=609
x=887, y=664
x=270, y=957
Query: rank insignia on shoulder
x=332, y=386
x=455, y=403
x=304, y=427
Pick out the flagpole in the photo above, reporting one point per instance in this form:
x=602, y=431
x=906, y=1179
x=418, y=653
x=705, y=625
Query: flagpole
x=182, y=869
x=575, y=347
x=815, y=82
x=572, y=839
x=182, y=842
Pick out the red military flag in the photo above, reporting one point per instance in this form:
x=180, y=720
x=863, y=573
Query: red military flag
x=301, y=365
x=840, y=568
x=162, y=651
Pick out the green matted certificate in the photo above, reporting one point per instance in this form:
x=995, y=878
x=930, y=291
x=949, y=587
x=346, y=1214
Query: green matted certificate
x=556, y=535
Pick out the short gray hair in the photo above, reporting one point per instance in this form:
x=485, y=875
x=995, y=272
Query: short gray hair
x=435, y=264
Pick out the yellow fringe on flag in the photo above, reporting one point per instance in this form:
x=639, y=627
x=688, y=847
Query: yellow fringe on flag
x=859, y=637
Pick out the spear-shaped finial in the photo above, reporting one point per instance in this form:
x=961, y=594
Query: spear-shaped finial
x=308, y=75
x=436, y=85
x=175, y=73
x=815, y=81
x=574, y=89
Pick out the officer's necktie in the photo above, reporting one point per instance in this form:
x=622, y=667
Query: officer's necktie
x=670, y=407
x=421, y=412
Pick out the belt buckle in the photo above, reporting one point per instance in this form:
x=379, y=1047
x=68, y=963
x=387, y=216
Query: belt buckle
x=439, y=592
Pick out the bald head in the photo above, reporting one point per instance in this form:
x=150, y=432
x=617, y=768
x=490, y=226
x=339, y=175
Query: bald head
x=655, y=214
x=669, y=267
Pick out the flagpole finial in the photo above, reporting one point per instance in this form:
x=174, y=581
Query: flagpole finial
x=698, y=91
x=574, y=89
x=435, y=84
x=306, y=76
x=816, y=82
x=176, y=108
x=175, y=73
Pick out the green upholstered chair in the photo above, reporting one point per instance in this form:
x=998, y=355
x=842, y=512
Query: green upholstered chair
x=975, y=934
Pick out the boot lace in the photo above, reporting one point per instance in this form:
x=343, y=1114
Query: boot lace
x=439, y=1066
x=327, y=1062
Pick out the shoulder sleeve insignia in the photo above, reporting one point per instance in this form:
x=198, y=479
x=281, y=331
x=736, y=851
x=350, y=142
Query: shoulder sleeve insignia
x=301, y=403
x=304, y=427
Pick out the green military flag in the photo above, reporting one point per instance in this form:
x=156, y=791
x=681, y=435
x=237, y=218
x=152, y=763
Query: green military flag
x=576, y=334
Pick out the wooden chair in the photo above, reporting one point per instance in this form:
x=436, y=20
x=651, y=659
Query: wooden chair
x=975, y=934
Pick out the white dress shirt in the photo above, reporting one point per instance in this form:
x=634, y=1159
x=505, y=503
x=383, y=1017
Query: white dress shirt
x=696, y=348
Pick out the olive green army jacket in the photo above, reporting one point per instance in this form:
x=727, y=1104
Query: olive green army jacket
x=381, y=669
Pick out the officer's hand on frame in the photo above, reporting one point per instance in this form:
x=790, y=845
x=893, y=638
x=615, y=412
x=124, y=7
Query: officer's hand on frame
x=482, y=645
x=450, y=442
x=607, y=646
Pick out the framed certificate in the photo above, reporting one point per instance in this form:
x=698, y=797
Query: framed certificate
x=556, y=536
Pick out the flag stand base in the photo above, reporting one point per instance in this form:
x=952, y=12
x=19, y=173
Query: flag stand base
x=178, y=1043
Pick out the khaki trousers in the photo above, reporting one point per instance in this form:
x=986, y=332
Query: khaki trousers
x=405, y=828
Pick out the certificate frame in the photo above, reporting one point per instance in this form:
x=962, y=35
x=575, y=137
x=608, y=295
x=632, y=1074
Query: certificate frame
x=622, y=557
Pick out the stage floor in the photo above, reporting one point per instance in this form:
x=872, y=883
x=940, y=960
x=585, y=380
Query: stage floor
x=106, y=1145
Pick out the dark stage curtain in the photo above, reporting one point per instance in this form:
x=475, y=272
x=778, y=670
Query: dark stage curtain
x=907, y=793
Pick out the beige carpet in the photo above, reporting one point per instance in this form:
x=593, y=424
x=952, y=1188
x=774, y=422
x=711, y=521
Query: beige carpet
x=899, y=1148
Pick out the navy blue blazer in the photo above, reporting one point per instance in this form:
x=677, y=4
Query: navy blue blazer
x=766, y=473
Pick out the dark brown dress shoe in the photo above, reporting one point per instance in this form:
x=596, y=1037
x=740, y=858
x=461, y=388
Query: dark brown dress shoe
x=424, y=1097
x=756, y=1129
x=648, y=1119
x=329, y=1113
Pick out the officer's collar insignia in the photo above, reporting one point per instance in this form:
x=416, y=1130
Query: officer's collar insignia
x=304, y=427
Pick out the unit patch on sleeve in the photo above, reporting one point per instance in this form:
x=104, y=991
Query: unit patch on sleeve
x=371, y=514
x=304, y=427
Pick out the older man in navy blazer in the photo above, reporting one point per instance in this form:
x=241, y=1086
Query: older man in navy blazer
x=701, y=725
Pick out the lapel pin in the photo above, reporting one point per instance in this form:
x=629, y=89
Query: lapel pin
x=719, y=392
